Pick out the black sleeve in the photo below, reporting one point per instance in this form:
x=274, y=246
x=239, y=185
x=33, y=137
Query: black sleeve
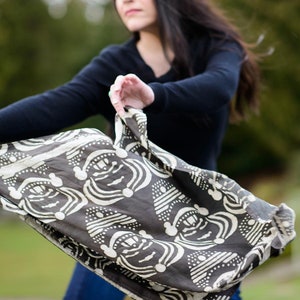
x=205, y=92
x=85, y=95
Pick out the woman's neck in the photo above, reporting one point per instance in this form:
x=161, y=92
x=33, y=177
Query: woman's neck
x=151, y=50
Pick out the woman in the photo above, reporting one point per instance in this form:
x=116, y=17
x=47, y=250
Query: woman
x=194, y=62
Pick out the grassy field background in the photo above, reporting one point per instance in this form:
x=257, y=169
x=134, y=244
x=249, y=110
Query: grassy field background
x=32, y=268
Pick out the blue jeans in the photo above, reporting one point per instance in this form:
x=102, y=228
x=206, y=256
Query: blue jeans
x=85, y=285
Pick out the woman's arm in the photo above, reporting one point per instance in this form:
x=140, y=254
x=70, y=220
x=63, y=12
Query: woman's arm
x=206, y=92
x=85, y=95
x=203, y=93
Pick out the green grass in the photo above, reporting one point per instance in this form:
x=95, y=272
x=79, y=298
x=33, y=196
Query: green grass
x=30, y=266
x=277, y=280
x=283, y=289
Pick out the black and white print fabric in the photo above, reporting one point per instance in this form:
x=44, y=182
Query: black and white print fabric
x=141, y=218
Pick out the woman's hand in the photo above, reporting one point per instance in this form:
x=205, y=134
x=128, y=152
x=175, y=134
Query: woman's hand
x=130, y=91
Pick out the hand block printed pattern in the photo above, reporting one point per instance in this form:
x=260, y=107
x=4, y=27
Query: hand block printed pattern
x=141, y=218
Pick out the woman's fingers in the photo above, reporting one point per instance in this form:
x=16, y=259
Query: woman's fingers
x=115, y=95
x=119, y=108
x=131, y=91
x=118, y=82
x=117, y=103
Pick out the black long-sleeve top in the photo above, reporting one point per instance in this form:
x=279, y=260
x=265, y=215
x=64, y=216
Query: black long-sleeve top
x=187, y=118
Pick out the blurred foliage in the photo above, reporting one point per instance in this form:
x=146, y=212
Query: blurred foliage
x=271, y=139
x=38, y=52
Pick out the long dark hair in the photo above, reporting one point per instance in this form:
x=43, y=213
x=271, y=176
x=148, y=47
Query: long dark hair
x=179, y=19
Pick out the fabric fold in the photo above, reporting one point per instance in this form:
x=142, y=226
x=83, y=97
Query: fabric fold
x=138, y=216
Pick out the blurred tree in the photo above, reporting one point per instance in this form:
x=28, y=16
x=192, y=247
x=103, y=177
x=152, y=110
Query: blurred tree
x=39, y=52
x=270, y=139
